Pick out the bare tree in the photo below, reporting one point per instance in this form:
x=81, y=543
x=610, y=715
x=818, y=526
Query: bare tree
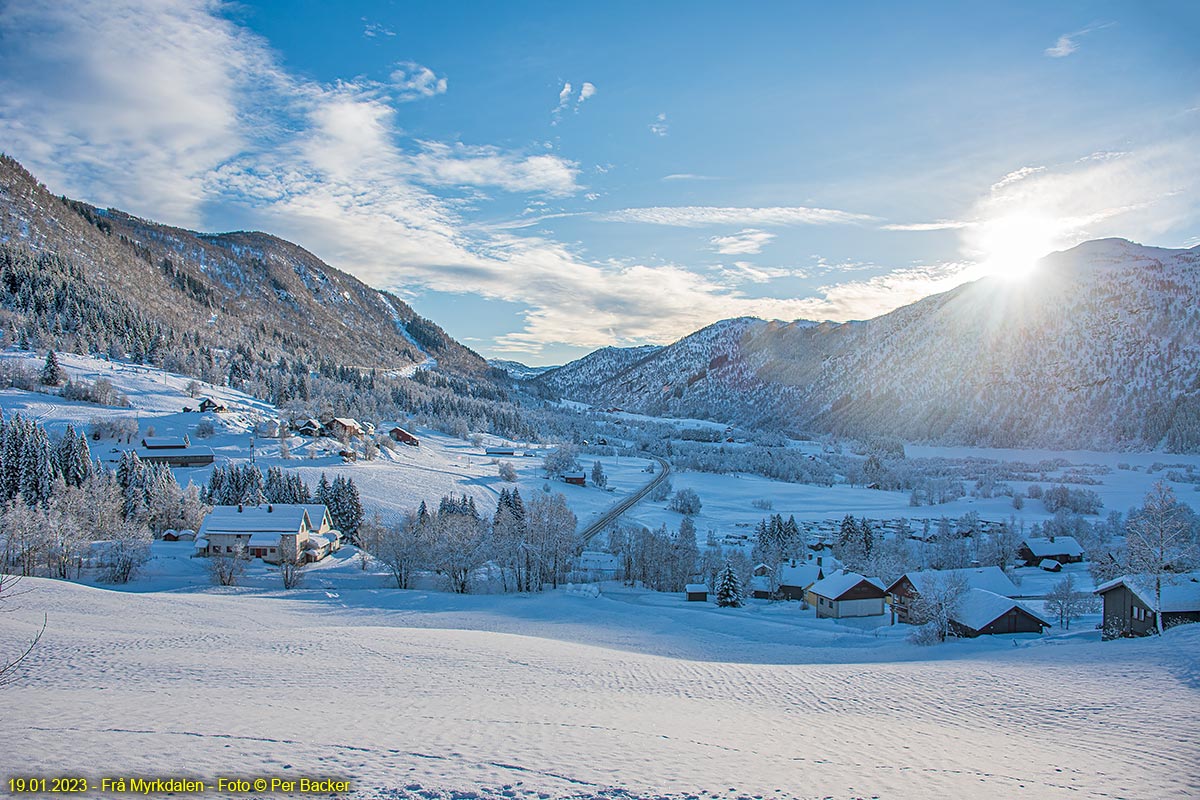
x=291, y=568
x=10, y=668
x=227, y=569
x=508, y=473
x=1160, y=539
x=403, y=549
x=561, y=459
x=1067, y=603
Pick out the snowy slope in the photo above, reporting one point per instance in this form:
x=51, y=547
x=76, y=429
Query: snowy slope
x=563, y=695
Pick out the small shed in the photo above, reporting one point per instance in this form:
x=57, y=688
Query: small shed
x=1050, y=565
x=208, y=404
x=402, y=436
x=848, y=594
x=575, y=478
x=696, y=593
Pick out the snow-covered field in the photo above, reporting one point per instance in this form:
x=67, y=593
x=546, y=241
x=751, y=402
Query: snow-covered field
x=562, y=694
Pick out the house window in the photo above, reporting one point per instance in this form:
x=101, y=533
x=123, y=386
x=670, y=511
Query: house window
x=272, y=549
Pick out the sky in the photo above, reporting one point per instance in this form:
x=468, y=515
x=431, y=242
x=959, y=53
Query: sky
x=543, y=179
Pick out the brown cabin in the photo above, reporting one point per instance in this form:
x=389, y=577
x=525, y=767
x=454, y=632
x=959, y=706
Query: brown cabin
x=575, y=478
x=402, y=436
x=1129, y=604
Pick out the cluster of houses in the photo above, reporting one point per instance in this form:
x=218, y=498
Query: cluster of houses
x=272, y=532
x=345, y=428
x=988, y=605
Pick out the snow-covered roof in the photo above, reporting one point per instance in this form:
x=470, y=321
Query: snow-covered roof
x=837, y=584
x=150, y=454
x=992, y=579
x=1061, y=546
x=316, y=513
x=163, y=442
x=1180, y=593
x=349, y=423
x=802, y=575
x=760, y=583
x=1050, y=564
x=695, y=587
x=200, y=543
x=277, y=518
x=979, y=608
x=576, y=475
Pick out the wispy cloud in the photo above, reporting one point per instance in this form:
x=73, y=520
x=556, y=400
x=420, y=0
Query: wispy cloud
x=707, y=216
x=746, y=242
x=372, y=30
x=587, y=90
x=688, y=176
x=939, y=225
x=659, y=127
x=744, y=271
x=1068, y=43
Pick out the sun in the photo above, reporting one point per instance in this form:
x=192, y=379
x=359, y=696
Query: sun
x=1013, y=244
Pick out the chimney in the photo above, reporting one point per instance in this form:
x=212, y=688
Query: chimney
x=239, y=508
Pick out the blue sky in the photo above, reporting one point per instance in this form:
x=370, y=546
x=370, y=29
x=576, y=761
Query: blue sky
x=544, y=178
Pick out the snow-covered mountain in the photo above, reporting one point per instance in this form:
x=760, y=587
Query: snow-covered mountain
x=585, y=375
x=188, y=291
x=1100, y=348
x=516, y=370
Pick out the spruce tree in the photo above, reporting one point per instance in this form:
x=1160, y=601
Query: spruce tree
x=729, y=588
x=52, y=373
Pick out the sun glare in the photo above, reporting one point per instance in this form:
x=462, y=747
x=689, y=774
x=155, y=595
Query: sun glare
x=1013, y=244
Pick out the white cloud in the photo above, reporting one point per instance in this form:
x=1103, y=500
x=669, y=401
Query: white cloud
x=742, y=271
x=688, y=176
x=411, y=81
x=659, y=127
x=1068, y=43
x=586, y=91
x=460, y=165
x=744, y=242
x=706, y=216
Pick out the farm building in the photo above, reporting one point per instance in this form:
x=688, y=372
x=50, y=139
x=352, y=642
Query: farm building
x=575, y=478
x=271, y=532
x=208, y=404
x=1130, y=603
x=178, y=457
x=402, y=436
x=166, y=442
x=1063, y=549
x=848, y=594
x=696, y=593
x=984, y=613
x=500, y=451
x=909, y=586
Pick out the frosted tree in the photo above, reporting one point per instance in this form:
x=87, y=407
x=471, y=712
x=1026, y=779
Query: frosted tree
x=598, y=477
x=508, y=473
x=729, y=588
x=1067, y=603
x=686, y=502
x=552, y=534
x=127, y=548
x=1161, y=538
x=685, y=553
x=52, y=373
x=935, y=607
x=560, y=460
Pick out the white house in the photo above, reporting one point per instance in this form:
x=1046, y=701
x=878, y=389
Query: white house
x=847, y=594
x=271, y=532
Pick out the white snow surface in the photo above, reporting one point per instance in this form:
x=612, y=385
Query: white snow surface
x=564, y=694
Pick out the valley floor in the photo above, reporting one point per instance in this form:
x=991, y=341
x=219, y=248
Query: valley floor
x=562, y=694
